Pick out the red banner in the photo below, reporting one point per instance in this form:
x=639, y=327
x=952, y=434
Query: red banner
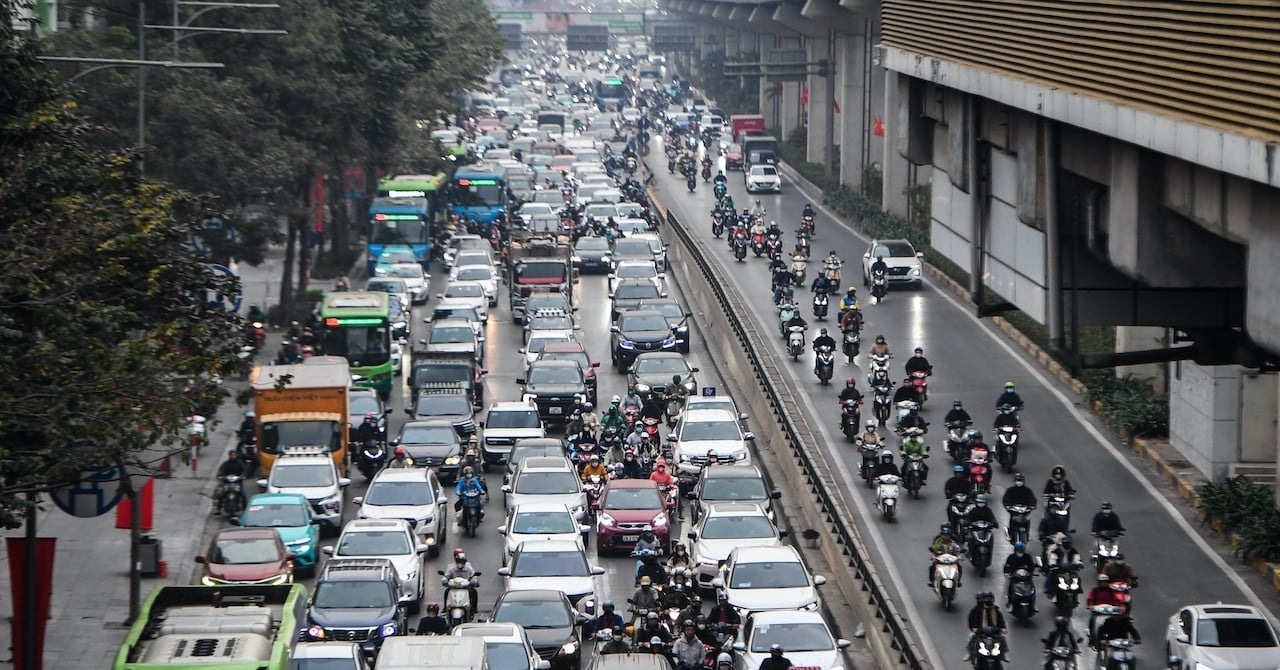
x=317, y=202
x=804, y=95
x=146, y=502
x=877, y=127
x=17, y=547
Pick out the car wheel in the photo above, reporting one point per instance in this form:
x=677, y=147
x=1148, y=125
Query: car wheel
x=866, y=283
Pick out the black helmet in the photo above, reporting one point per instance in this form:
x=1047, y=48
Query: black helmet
x=945, y=529
x=957, y=405
x=1061, y=622
x=919, y=350
x=1106, y=506
x=1059, y=472
x=433, y=606
x=976, y=435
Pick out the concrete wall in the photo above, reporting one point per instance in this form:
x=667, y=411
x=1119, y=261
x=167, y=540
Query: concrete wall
x=1204, y=424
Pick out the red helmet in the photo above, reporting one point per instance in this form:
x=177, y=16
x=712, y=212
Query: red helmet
x=400, y=451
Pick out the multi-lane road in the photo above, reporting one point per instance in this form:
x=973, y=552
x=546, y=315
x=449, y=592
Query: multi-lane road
x=971, y=362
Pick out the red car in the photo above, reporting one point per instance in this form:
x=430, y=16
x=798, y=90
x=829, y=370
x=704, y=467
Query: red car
x=626, y=507
x=733, y=157
x=574, y=351
x=489, y=124
x=246, y=556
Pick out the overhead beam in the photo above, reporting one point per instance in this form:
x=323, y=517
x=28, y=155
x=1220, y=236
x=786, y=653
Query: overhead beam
x=831, y=14
x=788, y=15
x=863, y=8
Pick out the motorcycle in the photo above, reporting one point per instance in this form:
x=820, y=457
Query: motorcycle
x=882, y=399
x=990, y=652
x=259, y=334
x=905, y=408
x=879, y=286
x=1060, y=658
x=920, y=382
x=979, y=470
x=806, y=225
x=798, y=270
x=757, y=244
x=785, y=294
x=773, y=247
x=958, y=441
x=820, y=306
x=471, y=504
x=719, y=190
x=372, y=457
x=717, y=225
x=870, y=456
x=1106, y=544
x=832, y=273
x=740, y=247
x=946, y=578
x=981, y=536
x=824, y=364
x=691, y=183
x=958, y=508
x=795, y=342
x=593, y=489
x=852, y=342
x=457, y=598
x=850, y=418
x=785, y=312
x=1060, y=507
x=1066, y=589
x=230, y=495
x=879, y=363
x=803, y=244
x=913, y=473
x=1022, y=595
x=887, y=496
x=706, y=173
x=1118, y=654
x=1019, y=529
x=1007, y=447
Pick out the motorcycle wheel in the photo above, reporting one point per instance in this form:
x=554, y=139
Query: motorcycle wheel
x=947, y=599
x=232, y=505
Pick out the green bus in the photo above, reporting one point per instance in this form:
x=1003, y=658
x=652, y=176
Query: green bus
x=251, y=627
x=356, y=325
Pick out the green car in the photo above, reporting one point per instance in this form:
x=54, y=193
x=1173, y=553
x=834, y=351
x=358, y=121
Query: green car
x=290, y=515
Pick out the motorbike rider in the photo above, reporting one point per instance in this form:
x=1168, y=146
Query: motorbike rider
x=957, y=415
x=653, y=628
x=918, y=363
x=618, y=643
x=1019, y=493
x=723, y=612
x=880, y=347
x=688, y=650
x=461, y=567
x=367, y=432
x=782, y=278
x=796, y=320
x=824, y=340
x=1019, y=560
x=637, y=437
x=256, y=315
x=676, y=596
x=776, y=660
x=959, y=483
x=759, y=210
x=630, y=466
x=879, y=267
x=906, y=392
x=646, y=597
x=661, y=476
x=851, y=320
x=613, y=417
x=1119, y=570
x=632, y=401
x=1106, y=520
x=400, y=459
x=886, y=466
x=1010, y=397
x=595, y=467
x=720, y=178
x=1058, y=484
x=985, y=615
x=982, y=511
x=773, y=232
x=590, y=420
x=679, y=558
x=1102, y=594
x=288, y=353
x=808, y=211
x=469, y=483
x=850, y=390
x=1061, y=636
x=757, y=228
x=233, y=466
x=945, y=543
x=1117, y=627
x=648, y=542
x=432, y=623
x=913, y=420
x=609, y=619
x=913, y=445
x=871, y=436
x=850, y=301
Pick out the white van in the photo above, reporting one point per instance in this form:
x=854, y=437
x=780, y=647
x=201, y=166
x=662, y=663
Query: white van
x=438, y=652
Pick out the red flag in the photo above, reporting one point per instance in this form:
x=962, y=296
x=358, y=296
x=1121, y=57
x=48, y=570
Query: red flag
x=877, y=127
x=804, y=95
x=836, y=103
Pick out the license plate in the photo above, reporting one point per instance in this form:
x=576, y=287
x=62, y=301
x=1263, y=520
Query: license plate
x=556, y=410
x=630, y=538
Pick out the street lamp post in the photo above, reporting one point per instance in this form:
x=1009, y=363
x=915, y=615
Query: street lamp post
x=206, y=7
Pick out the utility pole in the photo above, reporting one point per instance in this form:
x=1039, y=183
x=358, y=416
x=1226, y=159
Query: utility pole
x=142, y=85
x=790, y=65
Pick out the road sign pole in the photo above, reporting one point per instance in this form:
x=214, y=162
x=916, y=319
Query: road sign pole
x=135, y=558
x=31, y=655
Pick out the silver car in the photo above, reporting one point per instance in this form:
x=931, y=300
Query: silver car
x=546, y=479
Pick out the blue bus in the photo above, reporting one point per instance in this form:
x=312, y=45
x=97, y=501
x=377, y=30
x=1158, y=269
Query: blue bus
x=401, y=216
x=478, y=192
x=611, y=92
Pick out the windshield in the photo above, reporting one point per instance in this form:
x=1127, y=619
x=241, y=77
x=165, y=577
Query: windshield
x=392, y=256
x=593, y=244
x=697, y=431
x=643, y=323
x=452, y=335
x=632, y=248
x=399, y=493
x=474, y=273
x=362, y=346
x=285, y=476
x=579, y=358
x=431, y=434
x=405, y=229
x=737, y=527
x=527, y=451
x=764, y=170
x=352, y=595
x=545, y=374
x=279, y=434
x=1231, y=632
x=549, y=564
x=544, y=523
x=537, y=343
x=540, y=270
x=365, y=404
x=786, y=575
x=669, y=310
x=386, y=286
x=244, y=551
x=551, y=323
x=602, y=211
x=793, y=637
x=275, y=515
x=547, y=483
x=638, y=271
x=633, y=499
x=532, y=614
x=636, y=291
x=652, y=366
x=893, y=250
x=539, y=301
x=405, y=271
x=512, y=419
x=507, y=655
x=469, y=259
x=443, y=404
x=320, y=663
x=473, y=195
x=374, y=543
x=464, y=291
x=466, y=313
x=733, y=489
x=424, y=374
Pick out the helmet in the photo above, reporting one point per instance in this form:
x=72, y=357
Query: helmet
x=945, y=529
x=639, y=428
x=679, y=547
x=880, y=339
x=595, y=458
x=957, y=405
x=976, y=436
x=233, y=454
x=1103, y=577
x=775, y=647
x=986, y=595
x=460, y=557
x=433, y=606
x=822, y=331
x=849, y=382
x=1106, y=507
x=886, y=456
x=1059, y=472
x=619, y=631
x=919, y=350
x=1019, y=478
x=722, y=596
x=652, y=616
x=871, y=424
x=724, y=659
x=587, y=406
x=675, y=379
x=458, y=552
x=615, y=400
x=981, y=499
x=1019, y=546
x=880, y=257
x=833, y=252
x=608, y=604
x=400, y=451
x=1008, y=386
x=958, y=468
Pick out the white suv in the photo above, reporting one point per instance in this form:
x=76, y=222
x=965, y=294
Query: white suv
x=311, y=472
x=392, y=539
x=905, y=264
x=702, y=431
x=412, y=494
x=506, y=423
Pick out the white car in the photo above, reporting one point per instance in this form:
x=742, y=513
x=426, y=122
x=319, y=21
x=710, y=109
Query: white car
x=311, y=472
x=763, y=178
x=723, y=527
x=392, y=539
x=467, y=294
x=470, y=257
x=530, y=209
x=905, y=264
x=636, y=270
x=701, y=431
x=505, y=645
x=397, y=358
x=481, y=274
x=540, y=521
x=757, y=579
x=414, y=279
x=546, y=479
x=460, y=243
x=1221, y=636
x=394, y=286
x=552, y=564
x=412, y=494
x=537, y=341
x=505, y=424
x=805, y=638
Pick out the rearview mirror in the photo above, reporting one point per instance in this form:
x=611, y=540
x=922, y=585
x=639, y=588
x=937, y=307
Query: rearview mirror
x=344, y=483
x=505, y=572
x=775, y=494
x=693, y=535
x=359, y=500
x=748, y=435
x=819, y=580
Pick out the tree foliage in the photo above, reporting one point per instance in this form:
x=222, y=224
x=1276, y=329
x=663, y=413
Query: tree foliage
x=104, y=312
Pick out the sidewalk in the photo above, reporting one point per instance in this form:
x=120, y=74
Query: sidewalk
x=91, y=570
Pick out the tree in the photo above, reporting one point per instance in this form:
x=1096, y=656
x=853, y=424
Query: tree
x=104, y=312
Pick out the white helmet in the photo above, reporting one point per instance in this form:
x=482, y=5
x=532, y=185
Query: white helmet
x=724, y=659
x=615, y=400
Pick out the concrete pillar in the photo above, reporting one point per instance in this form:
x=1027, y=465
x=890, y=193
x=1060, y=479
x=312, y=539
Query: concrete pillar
x=1141, y=338
x=792, y=115
x=895, y=168
x=819, y=103
x=1204, y=416
x=851, y=87
x=1257, y=416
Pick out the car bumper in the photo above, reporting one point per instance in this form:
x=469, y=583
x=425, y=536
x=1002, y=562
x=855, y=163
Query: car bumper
x=495, y=454
x=614, y=538
x=757, y=188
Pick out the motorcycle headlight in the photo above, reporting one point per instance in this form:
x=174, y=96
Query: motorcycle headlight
x=642, y=388
x=388, y=629
x=570, y=647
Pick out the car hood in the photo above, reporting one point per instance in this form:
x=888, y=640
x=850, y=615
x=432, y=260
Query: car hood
x=250, y=572
x=408, y=512
x=294, y=533
x=657, y=379
x=633, y=515
x=760, y=600
x=702, y=447
x=351, y=617
x=718, y=550
x=570, y=586
x=435, y=452
x=592, y=253
x=799, y=659
x=1233, y=658
x=451, y=347
x=555, y=389
x=545, y=638
x=571, y=499
x=514, y=540
x=311, y=493
x=645, y=335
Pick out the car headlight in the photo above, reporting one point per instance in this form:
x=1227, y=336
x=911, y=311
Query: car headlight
x=388, y=629
x=211, y=581
x=607, y=520
x=453, y=460
x=741, y=457
x=332, y=504
x=570, y=647
x=660, y=520
x=915, y=272
x=689, y=386
x=300, y=546
x=669, y=342
x=278, y=579
x=626, y=344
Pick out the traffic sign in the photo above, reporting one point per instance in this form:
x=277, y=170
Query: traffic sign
x=222, y=269
x=95, y=494
x=708, y=391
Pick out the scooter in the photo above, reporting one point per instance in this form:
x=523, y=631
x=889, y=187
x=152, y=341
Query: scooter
x=920, y=382
x=887, y=496
x=1022, y=595
x=457, y=598
x=795, y=342
x=1106, y=545
x=824, y=364
x=773, y=247
x=1061, y=658
x=1118, y=655
x=798, y=270
x=852, y=342
x=1019, y=529
x=905, y=408
x=706, y=173
x=717, y=225
x=757, y=244
x=946, y=578
x=981, y=535
x=230, y=496
x=806, y=225
x=802, y=243
x=785, y=312
x=692, y=183
x=913, y=473
x=879, y=286
x=990, y=653
x=1007, y=438
x=1066, y=589
x=593, y=489
x=879, y=363
x=958, y=509
x=471, y=504
x=740, y=247
x=979, y=470
x=372, y=457
x=958, y=441
x=870, y=456
x=850, y=418
x=820, y=306
x=719, y=190
x=882, y=399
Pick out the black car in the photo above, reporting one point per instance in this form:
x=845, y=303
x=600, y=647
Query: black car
x=629, y=292
x=355, y=600
x=553, y=627
x=556, y=387
x=654, y=370
x=639, y=331
x=452, y=404
x=676, y=317
x=592, y=254
x=432, y=443
x=433, y=370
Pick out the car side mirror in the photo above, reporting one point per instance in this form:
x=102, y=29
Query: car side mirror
x=344, y=483
x=691, y=495
x=521, y=381
x=615, y=329
x=744, y=416
x=843, y=643
x=409, y=411
x=595, y=364
x=664, y=294
x=920, y=255
x=1183, y=638
x=775, y=494
x=327, y=551
x=783, y=532
x=738, y=646
x=597, y=570
x=1174, y=661
x=262, y=484
x=359, y=500
x=718, y=582
x=693, y=535
x=542, y=664
x=748, y=435
x=442, y=502
x=386, y=411
x=506, y=489
x=201, y=559
x=671, y=437
x=422, y=549
x=695, y=370
x=662, y=276
x=867, y=255
x=819, y=580
x=521, y=351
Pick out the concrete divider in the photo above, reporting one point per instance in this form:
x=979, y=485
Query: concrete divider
x=782, y=430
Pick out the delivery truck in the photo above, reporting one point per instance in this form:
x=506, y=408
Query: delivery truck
x=302, y=405
x=742, y=125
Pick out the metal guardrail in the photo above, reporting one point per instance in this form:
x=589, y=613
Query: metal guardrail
x=785, y=406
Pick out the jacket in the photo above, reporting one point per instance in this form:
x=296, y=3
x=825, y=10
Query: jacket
x=688, y=652
x=1019, y=495
x=986, y=615
x=956, y=485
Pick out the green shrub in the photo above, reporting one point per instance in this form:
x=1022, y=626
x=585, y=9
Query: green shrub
x=1247, y=509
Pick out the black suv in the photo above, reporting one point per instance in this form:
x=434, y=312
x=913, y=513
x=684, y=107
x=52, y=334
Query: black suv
x=445, y=401
x=639, y=331
x=556, y=387
x=355, y=600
